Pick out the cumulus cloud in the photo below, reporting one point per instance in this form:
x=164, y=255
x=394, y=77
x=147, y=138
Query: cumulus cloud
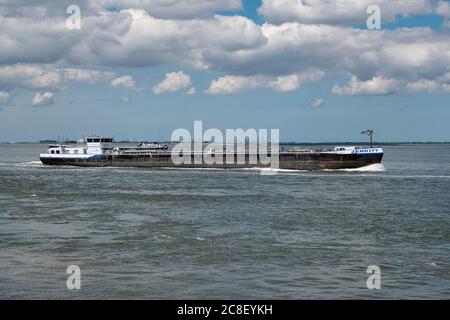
x=375, y=86
x=125, y=82
x=285, y=83
x=46, y=77
x=338, y=11
x=35, y=51
x=446, y=23
x=385, y=86
x=42, y=99
x=112, y=38
x=443, y=9
x=29, y=77
x=233, y=84
x=84, y=76
x=192, y=91
x=176, y=9
x=446, y=88
x=179, y=9
x=5, y=97
x=423, y=85
x=174, y=81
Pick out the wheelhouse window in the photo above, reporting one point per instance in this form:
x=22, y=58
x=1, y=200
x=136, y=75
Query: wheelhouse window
x=98, y=140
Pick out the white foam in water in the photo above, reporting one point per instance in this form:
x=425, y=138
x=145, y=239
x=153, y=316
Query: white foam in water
x=433, y=264
x=377, y=167
x=193, y=169
x=22, y=164
x=32, y=163
x=271, y=170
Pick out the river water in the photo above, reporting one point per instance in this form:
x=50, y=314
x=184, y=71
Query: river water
x=206, y=234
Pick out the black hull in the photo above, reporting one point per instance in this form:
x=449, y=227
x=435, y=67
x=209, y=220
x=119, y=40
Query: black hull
x=291, y=161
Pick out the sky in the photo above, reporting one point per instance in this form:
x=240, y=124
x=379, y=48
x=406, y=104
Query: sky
x=139, y=69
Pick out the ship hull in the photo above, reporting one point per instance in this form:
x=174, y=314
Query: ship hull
x=291, y=161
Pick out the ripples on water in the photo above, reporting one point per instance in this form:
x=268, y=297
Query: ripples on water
x=139, y=233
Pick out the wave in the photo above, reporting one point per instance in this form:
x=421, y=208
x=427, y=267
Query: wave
x=192, y=169
x=434, y=264
x=377, y=167
x=272, y=170
x=419, y=176
x=31, y=164
x=22, y=164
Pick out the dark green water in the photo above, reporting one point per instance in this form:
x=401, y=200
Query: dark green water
x=157, y=234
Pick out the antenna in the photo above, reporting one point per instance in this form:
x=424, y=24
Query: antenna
x=369, y=132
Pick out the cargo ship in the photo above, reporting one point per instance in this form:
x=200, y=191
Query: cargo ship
x=101, y=152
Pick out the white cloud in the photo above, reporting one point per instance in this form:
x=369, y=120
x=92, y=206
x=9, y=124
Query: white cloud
x=42, y=99
x=423, y=85
x=317, y=103
x=384, y=86
x=176, y=9
x=29, y=77
x=446, y=23
x=375, y=86
x=285, y=83
x=446, y=88
x=444, y=78
x=174, y=81
x=294, y=81
x=192, y=91
x=84, y=76
x=34, y=51
x=5, y=97
x=113, y=38
x=233, y=84
x=338, y=11
x=126, y=82
x=443, y=9
x=45, y=77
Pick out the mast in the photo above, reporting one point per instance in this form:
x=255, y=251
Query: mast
x=369, y=132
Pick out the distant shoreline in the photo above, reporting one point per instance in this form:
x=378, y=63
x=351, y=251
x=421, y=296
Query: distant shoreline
x=375, y=143
x=281, y=143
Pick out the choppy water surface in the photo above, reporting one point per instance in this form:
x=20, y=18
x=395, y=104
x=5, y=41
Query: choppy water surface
x=156, y=234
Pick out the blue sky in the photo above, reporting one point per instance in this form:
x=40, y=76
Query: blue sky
x=329, y=108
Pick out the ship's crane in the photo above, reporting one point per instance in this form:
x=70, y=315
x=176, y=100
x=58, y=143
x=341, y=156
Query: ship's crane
x=369, y=132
